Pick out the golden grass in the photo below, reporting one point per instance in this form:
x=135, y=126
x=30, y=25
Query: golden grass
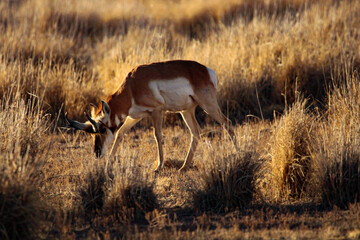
x=290, y=152
x=338, y=155
x=23, y=153
x=260, y=51
x=297, y=156
x=228, y=178
x=131, y=192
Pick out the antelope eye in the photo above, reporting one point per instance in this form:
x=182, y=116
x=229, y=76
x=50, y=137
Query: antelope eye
x=103, y=130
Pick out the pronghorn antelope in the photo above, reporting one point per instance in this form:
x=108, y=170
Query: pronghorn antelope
x=151, y=90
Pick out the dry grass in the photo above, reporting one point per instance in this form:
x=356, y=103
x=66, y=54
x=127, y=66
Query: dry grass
x=338, y=155
x=290, y=152
x=228, y=179
x=92, y=192
x=131, y=193
x=260, y=50
x=229, y=184
x=297, y=160
x=125, y=197
x=23, y=153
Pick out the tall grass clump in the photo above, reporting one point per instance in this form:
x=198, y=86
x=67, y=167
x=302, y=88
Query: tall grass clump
x=23, y=154
x=227, y=180
x=130, y=195
x=124, y=192
x=339, y=145
x=290, y=152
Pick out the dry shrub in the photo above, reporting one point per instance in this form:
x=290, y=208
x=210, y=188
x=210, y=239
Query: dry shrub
x=338, y=157
x=130, y=195
x=124, y=195
x=23, y=152
x=69, y=90
x=290, y=151
x=92, y=192
x=57, y=87
x=228, y=183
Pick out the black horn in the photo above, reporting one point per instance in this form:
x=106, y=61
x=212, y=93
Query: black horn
x=87, y=127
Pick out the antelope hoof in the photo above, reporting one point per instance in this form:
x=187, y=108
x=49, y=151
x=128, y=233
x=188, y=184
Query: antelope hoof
x=158, y=169
x=183, y=169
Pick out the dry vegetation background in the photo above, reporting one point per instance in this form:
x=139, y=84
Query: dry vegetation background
x=288, y=78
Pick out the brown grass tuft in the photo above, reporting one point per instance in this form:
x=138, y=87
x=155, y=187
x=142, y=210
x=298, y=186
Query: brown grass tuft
x=228, y=183
x=290, y=151
x=23, y=153
x=338, y=156
x=131, y=194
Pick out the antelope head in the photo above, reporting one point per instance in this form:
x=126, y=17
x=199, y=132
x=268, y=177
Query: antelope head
x=99, y=125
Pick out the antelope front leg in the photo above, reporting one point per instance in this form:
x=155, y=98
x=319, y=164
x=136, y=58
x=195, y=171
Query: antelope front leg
x=157, y=117
x=127, y=125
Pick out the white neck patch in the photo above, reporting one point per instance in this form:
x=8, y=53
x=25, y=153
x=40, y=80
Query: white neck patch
x=108, y=140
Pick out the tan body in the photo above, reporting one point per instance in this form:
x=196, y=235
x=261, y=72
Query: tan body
x=152, y=90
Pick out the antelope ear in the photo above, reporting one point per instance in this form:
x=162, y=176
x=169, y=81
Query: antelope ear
x=105, y=108
x=92, y=109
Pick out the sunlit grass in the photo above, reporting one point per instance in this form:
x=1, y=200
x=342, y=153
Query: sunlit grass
x=294, y=152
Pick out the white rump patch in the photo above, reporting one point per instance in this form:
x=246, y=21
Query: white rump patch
x=213, y=77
